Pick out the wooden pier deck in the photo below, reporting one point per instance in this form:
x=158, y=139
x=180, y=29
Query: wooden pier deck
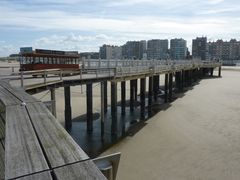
x=34, y=145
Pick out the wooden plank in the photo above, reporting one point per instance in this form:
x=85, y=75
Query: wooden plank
x=2, y=164
x=18, y=93
x=59, y=146
x=57, y=143
x=86, y=170
x=38, y=176
x=7, y=98
x=23, y=154
x=2, y=132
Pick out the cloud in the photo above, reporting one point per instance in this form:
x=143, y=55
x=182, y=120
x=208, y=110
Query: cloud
x=214, y=2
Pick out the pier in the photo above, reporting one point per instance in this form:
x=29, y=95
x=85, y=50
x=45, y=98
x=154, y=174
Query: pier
x=59, y=154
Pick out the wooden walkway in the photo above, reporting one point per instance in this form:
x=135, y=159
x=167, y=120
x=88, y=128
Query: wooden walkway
x=33, y=145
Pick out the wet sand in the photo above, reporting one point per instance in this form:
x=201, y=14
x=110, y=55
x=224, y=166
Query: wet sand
x=196, y=138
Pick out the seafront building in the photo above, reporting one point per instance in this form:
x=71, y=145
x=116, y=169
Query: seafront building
x=134, y=50
x=110, y=52
x=225, y=50
x=200, y=48
x=157, y=49
x=178, y=49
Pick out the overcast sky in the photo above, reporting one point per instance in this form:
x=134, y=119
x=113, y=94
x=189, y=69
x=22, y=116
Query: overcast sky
x=84, y=25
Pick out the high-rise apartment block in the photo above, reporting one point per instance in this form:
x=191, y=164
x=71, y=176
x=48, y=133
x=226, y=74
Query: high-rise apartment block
x=224, y=50
x=134, y=49
x=200, y=48
x=178, y=49
x=157, y=49
x=110, y=52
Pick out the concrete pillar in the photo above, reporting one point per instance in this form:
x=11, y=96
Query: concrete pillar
x=166, y=88
x=150, y=94
x=102, y=110
x=53, y=99
x=89, y=108
x=142, y=97
x=123, y=97
x=170, y=87
x=220, y=71
x=178, y=81
x=132, y=92
x=68, y=109
x=114, y=108
x=135, y=90
x=183, y=80
x=105, y=96
x=155, y=86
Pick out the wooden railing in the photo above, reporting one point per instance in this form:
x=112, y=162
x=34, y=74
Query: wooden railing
x=36, y=146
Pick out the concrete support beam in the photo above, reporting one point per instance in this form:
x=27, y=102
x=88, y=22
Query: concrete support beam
x=142, y=97
x=155, y=86
x=89, y=108
x=114, y=108
x=135, y=90
x=105, y=96
x=132, y=92
x=150, y=94
x=166, y=88
x=211, y=71
x=53, y=99
x=183, y=80
x=123, y=97
x=170, y=87
x=68, y=109
x=219, y=71
x=102, y=110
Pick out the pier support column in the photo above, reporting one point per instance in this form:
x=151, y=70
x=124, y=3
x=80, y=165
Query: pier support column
x=105, y=96
x=102, y=110
x=166, y=88
x=53, y=99
x=170, y=87
x=132, y=91
x=123, y=97
x=178, y=81
x=135, y=90
x=211, y=71
x=123, y=104
x=150, y=94
x=89, y=108
x=68, y=109
x=142, y=97
x=114, y=108
x=155, y=87
x=219, y=71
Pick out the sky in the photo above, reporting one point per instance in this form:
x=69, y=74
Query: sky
x=85, y=25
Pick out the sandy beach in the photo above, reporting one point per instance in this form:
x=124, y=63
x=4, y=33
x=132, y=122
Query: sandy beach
x=196, y=138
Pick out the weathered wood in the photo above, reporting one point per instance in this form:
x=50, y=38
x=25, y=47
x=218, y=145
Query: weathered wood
x=2, y=164
x=59, y=147
x=19, y=93
x=7, y=98
x=86, y=170
x=39, y=176
x=23, y=152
